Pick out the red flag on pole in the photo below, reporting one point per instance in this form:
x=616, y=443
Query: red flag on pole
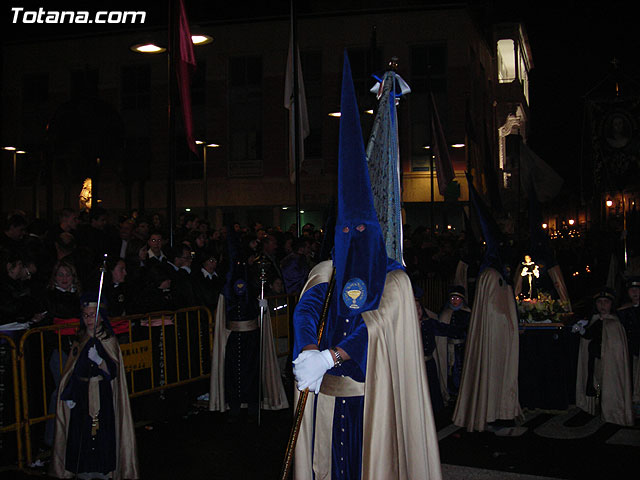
x=185, y=62
x=440, y=150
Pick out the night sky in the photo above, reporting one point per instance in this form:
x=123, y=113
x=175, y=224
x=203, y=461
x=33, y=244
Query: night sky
x=573, y=44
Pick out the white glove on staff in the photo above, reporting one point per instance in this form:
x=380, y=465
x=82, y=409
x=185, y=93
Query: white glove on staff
x=263, y=303
x=309, y=368
x=70, y=403
x=94, y=356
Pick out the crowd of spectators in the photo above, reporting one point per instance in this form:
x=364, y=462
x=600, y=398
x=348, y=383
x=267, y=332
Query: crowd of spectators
x=46, y=267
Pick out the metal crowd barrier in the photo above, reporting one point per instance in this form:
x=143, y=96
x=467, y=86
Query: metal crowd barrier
x=9, y=390
x=161, y=350
x=435, y=293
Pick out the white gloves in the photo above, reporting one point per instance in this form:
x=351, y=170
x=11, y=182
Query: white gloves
x=263, y=303
x=578, y=327
x=70, y=403
x=94, y=356
x=309, y=368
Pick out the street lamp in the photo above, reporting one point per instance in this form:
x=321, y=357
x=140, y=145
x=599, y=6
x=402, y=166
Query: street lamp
x=16, y=152
x=205, y=193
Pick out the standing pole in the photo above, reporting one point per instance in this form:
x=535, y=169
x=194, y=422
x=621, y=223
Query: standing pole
x=431, y=205
x=263, y=280
x=171, y=184
x=296, y=121
x=302, y=399
x=205, y=197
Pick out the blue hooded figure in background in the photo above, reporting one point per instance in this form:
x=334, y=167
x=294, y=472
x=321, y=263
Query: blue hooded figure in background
x=371, y=317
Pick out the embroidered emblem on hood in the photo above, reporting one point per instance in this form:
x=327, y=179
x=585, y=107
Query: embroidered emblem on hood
x=354, y=293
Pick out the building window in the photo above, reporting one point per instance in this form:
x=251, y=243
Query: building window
x=136, y=87
x=84, y=83
x=245, y=116
x=199, y=85
x=35, y=90
x=506, y=61
x=428, y=75
x=523, y=74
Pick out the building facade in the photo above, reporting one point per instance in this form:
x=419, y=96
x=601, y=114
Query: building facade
x=90, y=107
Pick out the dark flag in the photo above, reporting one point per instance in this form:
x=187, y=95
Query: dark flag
x=440, y=150
x=185, y=62
x=493, y=238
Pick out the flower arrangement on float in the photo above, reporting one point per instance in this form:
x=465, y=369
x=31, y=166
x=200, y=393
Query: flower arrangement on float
x=542, y=309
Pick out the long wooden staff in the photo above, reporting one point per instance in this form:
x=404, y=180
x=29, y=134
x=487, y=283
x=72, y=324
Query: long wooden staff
x=302, y=400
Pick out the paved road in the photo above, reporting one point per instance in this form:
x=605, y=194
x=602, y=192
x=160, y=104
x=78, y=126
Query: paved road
x=569, y=444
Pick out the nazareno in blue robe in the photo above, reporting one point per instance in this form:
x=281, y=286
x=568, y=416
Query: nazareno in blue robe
x=350, y=334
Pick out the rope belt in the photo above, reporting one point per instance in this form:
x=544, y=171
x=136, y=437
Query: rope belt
x=332, y=386
x=247, y=326
x=336, y=386
x=455, y=341
x=94, y=401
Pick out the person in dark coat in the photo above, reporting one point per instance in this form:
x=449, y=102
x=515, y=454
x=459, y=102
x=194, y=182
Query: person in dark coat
x=429, y=328
x=207, y=284
x=180, y=260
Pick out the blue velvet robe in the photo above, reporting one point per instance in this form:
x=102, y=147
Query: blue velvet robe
x=350, y=334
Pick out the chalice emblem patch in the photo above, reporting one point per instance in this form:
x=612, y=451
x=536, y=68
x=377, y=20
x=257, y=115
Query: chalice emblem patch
x=354, y=293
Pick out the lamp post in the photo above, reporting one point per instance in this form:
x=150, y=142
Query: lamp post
x=205, y=187
x=14, y=170
x=146, y=47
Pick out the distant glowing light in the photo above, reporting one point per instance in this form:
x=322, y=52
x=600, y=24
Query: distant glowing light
x=544, y=225
x=187, y=209
x=335, y=114
x=609, y=203
x=201, y=39
x=370, y=111
x=147, y=48
x=457, y=145
x=11, y=149
x=572, y=221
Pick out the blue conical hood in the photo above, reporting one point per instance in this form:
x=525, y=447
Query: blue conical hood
x=359, y=257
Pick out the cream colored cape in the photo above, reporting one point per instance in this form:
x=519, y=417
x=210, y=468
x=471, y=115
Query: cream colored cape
x=127, y=452
x=441, y=352
x=635, y=369
x=273, y=394
x=611, y=371
x=399, y=435
x=460, y=277
x=489, y=384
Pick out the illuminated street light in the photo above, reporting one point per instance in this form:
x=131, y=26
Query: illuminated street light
x=544, y=225
x=609, y=203
x=147, y=48
x=201, y=39
x=571, y=221
x=457, y=145
x=205, y=194
x=16, y=152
